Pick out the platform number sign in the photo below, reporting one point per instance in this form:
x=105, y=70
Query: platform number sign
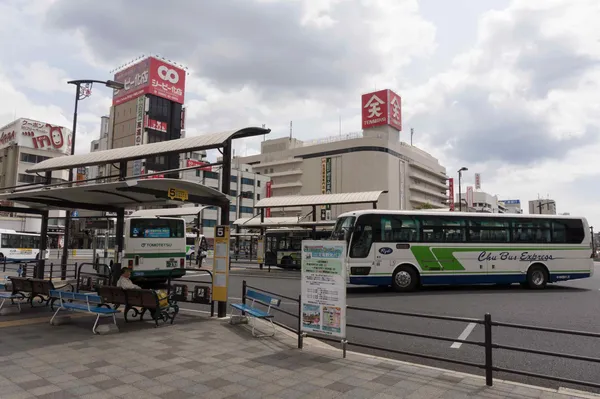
x=221, y=264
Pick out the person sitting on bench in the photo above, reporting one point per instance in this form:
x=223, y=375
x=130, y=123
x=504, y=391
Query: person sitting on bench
x=124, y=281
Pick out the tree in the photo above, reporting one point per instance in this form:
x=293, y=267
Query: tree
x=424, y=206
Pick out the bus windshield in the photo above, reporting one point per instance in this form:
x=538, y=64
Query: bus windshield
x=343, y=226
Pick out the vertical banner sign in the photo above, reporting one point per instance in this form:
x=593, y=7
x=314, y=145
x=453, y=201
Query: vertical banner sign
x=328, y=186
x=269, y=195
x=260, y=249
x=451, y=193
x=470, y=196
x=139, y=132
x=477, y=181
x=221, y=264
x=324, y=287
x=323, y=185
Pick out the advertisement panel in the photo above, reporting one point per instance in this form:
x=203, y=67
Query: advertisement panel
x=323, y=287
x=380, y=108
x=470, y=196
x=37, y=135
x=136, y=80
x=192, y=162
x=512, y=202
x=477, y=181
x=139, y=132
x=451, y=193
x=323, y=186
x=328, y=186
x=150, y=76
x=156, y=125
x=269, y=195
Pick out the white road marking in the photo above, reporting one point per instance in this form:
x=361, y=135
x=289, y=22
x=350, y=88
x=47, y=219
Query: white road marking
x=463, y=336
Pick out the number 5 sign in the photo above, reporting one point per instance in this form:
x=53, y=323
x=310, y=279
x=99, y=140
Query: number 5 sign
x=221, y=264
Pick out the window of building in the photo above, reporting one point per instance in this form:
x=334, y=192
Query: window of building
x=209, y=222
x=247, y=195
x=249, y=182
x=258, y=183
x=232, y=208
x=258, y=196
x=96, y=146
x=233, y=193
x=234, y=179
x=30, y=158
x=246, y=209
x=211, y=175
x=198, y=173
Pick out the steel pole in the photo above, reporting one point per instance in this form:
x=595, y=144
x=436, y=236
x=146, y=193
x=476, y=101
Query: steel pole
x=65, y=253
x=459, y=193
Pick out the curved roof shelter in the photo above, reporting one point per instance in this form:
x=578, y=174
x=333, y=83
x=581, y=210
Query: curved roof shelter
x=196, y=143
x=120, y=195
x=320, y=199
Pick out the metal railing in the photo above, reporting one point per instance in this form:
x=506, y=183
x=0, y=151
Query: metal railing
x=171, y=280
x=487, y=344
x=52, y=271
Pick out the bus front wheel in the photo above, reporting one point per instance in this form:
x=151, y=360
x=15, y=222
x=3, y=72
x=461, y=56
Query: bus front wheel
x=537, y=277
x=405, y=279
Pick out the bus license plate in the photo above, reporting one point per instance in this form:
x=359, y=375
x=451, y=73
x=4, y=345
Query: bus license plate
x=171, y=263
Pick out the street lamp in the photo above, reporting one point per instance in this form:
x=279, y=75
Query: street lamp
x=463, y=169
x=83, y=91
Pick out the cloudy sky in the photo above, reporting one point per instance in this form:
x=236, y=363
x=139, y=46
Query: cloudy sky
x=507, y=88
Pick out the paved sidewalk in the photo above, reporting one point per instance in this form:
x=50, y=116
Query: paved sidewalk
x=206, y=358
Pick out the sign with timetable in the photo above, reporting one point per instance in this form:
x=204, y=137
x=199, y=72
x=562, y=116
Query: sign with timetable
x=324, y=287
x=221, y=264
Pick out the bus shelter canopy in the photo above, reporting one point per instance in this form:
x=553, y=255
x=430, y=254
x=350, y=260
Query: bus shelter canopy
x=182, y=211
x=320, y=199
x=255, y=223
x=118, y=195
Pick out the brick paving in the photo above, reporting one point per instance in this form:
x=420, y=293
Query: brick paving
x=198, y=357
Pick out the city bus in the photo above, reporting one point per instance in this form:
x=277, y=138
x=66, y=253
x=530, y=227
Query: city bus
x=283, y=245
x=407, y=249
x=154, y=247
x=16, y=246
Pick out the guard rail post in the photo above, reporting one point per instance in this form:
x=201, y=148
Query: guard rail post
x=51, y=270
x=300, y=337
x=4, y=264
x=489, y=368
x=244, y=295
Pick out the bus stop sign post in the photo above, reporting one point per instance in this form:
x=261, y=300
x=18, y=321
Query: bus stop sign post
x=221, y=266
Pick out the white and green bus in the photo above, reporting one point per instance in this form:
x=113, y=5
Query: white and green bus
x=155, y=247
x=406, y=249
x=195, y=246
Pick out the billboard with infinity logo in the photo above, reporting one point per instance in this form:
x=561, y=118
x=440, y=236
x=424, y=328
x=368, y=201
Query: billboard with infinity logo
x=151, y=76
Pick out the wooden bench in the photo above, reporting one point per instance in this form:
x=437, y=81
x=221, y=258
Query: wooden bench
x=258, y=298
x=135, y=299
x=31, y=288
x=89, y=303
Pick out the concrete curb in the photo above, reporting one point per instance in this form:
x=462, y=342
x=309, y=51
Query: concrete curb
x=365, y=358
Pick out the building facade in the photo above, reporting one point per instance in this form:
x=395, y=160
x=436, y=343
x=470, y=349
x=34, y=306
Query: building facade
x=482, y=202
x=148, y=110
x=24, y=143
x=369, y=161
x=542, y=207
x=513, y=206
x=100, y=144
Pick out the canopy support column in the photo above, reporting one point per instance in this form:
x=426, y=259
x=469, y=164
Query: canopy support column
x=43, y=247
x=314, y=219
x=262, y=233
x=119, y=232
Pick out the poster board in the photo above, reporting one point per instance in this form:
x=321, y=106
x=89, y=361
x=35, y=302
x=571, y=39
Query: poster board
x=260, y=249
x=221, y=264
x=323, y=287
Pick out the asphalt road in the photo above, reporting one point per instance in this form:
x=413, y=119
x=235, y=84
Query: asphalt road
x=573, y=305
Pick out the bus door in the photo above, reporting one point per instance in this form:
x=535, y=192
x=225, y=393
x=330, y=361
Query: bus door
x=361, y=254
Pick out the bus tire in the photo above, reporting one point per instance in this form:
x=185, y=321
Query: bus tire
x=405, y=279
x=287, y=262
x=537, y=277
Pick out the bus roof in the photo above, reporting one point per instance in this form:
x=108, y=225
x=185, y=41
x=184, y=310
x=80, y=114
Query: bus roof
x=456, y=214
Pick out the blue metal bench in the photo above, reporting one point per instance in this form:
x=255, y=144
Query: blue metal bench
x=83, y=303
x=11, y=295
x=255, y=312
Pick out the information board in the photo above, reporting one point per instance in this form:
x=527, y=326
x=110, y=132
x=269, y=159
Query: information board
x=324, y=287
x=221, y=264
x=260, y=249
